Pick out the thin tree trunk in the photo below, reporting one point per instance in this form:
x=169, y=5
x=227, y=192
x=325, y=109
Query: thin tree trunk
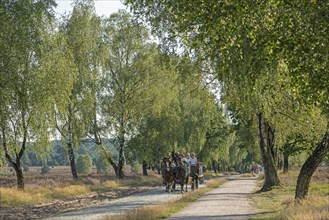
x=144, y=168
x=285, y=162
x=214, y=166
x=266, y=144
x=122, y=158
x=98, y=141
x=109, y=159
x=308, y=168
x=279, y=161
x=16, y=165
x=70, y=148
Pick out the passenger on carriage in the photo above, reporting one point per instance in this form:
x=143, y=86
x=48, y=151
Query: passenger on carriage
x=186, y=162
x=193, y=160
x=187, y=158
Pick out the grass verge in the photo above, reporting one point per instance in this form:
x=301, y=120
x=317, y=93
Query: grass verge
x=279, y=203
x=36, y=194
x=164, y=210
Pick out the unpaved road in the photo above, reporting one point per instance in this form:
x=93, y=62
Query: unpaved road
x=118, y=206
x=231, y=199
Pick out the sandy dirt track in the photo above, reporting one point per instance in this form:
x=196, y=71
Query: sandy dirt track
x=118, y=206
x=229, y=201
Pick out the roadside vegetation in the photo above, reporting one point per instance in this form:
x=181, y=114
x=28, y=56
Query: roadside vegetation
x=279, y=203
x=164, y=210
x=49, y=187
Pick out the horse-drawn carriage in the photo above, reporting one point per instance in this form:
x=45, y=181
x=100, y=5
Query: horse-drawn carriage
x=173, y=173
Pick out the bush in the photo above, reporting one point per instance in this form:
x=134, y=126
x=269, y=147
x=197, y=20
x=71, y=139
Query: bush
x=102, y=165
x=45, y=169
x=135, y=167
x=84, y=164
x=26, y=168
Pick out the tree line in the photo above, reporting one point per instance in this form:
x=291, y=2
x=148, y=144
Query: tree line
x=84, y=77
x=271, y=61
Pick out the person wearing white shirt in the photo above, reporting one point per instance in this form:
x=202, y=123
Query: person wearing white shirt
x=193, y=160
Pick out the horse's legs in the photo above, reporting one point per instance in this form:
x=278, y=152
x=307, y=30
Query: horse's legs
x=197, y=182
x=170, y=187
x=186, y=182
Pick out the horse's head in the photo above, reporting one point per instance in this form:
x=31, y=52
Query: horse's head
x=167, y=165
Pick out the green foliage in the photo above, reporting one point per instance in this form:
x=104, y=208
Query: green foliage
x=30, y=83
x=135, y=167
x=84, y=164
x=270, y=57
x=45, y=169
x=182, y=123
x=102, y=165
x=131, y=79
x=26, y=168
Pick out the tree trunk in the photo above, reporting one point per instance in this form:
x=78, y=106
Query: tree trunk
x=285, y=162
x=110, y=160
x=266, y=144
x=98, y=141
x=16, y=165
x=214, y=166
x=70, y=148
x=308, y=168
x=279, y=162
x=19, y=174
x=144, y=168
x=122, y=157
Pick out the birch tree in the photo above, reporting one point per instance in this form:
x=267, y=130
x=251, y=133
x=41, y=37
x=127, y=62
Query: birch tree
x=82, y=33
x=32, y=79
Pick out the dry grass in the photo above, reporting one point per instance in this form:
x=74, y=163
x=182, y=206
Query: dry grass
x=248, y=175
x=279, y=203
x=164, y=210
x=211, y=174
x=11, y=197
x=313, y=208
x=44, y=188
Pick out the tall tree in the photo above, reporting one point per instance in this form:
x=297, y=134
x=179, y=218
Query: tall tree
x=131, y=70
x=31, y=79
x=82, y=34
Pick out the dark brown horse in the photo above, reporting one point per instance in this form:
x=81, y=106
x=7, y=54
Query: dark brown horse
x=167, y=174
x=181, y=178
x=195, y=177
x=181, y=172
